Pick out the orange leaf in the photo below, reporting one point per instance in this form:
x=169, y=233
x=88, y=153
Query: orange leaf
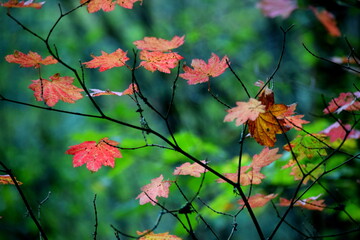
x=201, y=70
x=245, y=111
x=258, y=200
x=6, y=179
x=268, y=124
x=247, y=176
x=187, y=168
x=108, y=60
x=32, y=59
x=95, y=154
x=264, y=158
x=159, y=44
x=127, y=3
x=59, y=88
x=310, y=203
x=108, y=5
x=157, y=188
x=160, y=61
x=328, y=21
x=156, y=236
x=129, y=91
x=22, y=4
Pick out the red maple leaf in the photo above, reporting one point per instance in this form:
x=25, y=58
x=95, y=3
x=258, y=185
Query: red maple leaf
x=94, y=154
x=346, y=101
x=258, y=200
x=160, y=61
x=22, y=4
x=201, y=70
x=310, y=203
x=59, y=88
x=32, y=59
x=108, y=60
x=328, y=21
x=245, y=111
x=336, y=131
x=159, y=44
x=187, y=168
x=274, y=8
x=129, y=91
x=157, y=188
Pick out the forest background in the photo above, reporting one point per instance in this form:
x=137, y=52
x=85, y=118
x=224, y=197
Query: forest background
x=33, y=141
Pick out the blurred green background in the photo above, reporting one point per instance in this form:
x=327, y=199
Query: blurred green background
x=33, y=141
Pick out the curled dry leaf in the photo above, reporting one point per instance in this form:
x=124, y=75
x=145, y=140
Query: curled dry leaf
x=258, y=200
x=346, y=101
x=6, y=179
x=310, y=203
x=22, y=4
x=129, y=91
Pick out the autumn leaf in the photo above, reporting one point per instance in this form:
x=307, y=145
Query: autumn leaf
x=59, y=88
x=264, y=158
x=187, y=168
x=336, y=131
x=22, y=4
x=156, y=236
x=328, y=21
x=108, y=60
x=258, y=200
x=346, y=101
x=157, y=188
x=6, y=179
x=265, y=127
x=108, y=5
x=94, y=154
x=201, y=70
x=32, y=59
x=301, y=174
x=247, y=176
x=160, y=61
x=129, y=91
x=127, y=3
x=245, y=111
x=310, y=203
x=159, y=44
x=251, y=174
x=274, y=8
